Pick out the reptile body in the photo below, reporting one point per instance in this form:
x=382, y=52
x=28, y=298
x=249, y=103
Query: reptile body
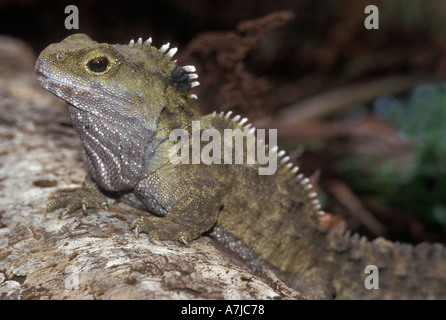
x=125, y=101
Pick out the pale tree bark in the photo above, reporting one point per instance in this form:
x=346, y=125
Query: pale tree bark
x=94, y=256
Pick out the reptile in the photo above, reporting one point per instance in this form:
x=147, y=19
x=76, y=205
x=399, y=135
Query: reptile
x=125, y=101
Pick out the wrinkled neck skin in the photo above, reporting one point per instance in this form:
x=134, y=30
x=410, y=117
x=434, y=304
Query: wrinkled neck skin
x=117, y=149
x=122, y=150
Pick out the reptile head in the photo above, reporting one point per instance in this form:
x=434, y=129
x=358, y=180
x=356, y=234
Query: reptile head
x=132, y=80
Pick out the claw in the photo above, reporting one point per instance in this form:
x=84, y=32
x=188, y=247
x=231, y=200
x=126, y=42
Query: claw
x=105, y=206
x=84, y=207
x=183, y=240
x=134, y=226
x=156, y=241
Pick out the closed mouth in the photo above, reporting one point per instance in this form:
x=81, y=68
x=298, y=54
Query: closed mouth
x=66, y=90
x=40, y=76
x=45, y=80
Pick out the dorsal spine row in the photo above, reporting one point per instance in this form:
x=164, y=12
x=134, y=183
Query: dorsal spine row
x=170, y=53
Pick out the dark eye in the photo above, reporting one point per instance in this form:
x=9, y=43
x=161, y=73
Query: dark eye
x=98, y=64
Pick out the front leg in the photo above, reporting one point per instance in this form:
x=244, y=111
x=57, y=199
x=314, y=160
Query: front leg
x=186, y=199
x=185, y=221
x=88, y=196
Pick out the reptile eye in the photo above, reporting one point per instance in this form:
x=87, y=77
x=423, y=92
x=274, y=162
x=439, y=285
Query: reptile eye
x=60, y=56
x=98, y=64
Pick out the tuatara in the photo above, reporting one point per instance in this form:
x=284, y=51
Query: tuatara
x=126, y=100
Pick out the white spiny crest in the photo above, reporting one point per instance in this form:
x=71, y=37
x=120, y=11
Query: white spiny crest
x=189, y=68
x=281, y=154
x=164, y=47
x=243, y=121
x=194, y=84
x=192, y=76
x=363, y=240
x=172, y=52
x=305, y=182
x=140, y=42
x=347, y=234
x=285, y=159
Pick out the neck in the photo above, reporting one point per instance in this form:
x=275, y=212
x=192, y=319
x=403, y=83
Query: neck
x=120, y=146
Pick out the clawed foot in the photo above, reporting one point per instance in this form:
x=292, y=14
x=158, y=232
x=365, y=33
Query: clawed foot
x=158, y=229
x=89, y=196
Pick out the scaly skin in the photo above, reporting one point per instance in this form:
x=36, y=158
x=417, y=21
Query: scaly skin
x=125, y=100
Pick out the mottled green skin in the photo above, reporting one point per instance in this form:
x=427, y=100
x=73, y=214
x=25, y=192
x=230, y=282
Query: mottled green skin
x=124, y=115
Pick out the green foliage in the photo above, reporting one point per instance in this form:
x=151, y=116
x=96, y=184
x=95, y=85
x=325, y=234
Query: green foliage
x=421, y=185
x=418, y=184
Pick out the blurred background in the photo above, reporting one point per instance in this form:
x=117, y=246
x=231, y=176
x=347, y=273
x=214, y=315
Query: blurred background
x=360, y=111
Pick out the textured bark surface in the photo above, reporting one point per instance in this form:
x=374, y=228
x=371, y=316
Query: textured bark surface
x=94, y=256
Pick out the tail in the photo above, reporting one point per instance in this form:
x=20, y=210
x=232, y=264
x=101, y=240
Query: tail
x=272, y=221
x=355, y=268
